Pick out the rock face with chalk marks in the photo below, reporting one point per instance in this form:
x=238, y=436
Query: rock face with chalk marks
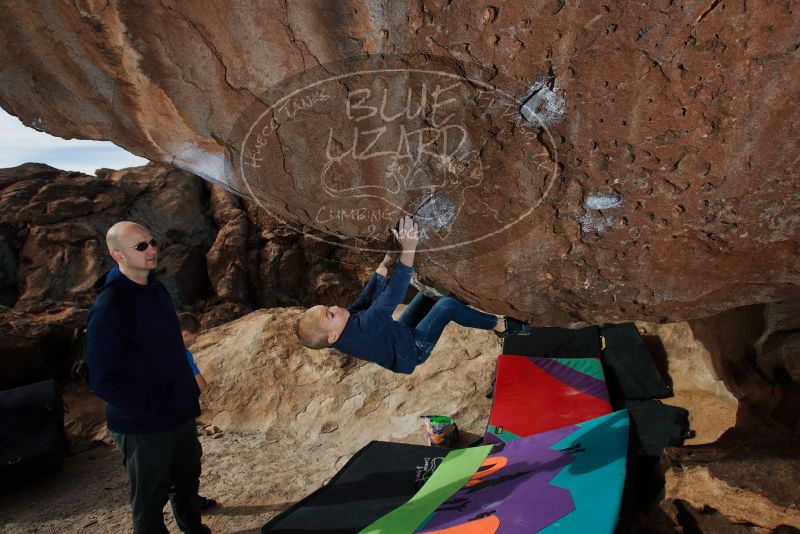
x=592, y=162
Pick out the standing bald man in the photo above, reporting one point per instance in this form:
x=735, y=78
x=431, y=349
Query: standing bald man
x=138, y=366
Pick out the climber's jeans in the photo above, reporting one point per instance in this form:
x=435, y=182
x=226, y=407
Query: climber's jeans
x=427, y=318
x=163, y=465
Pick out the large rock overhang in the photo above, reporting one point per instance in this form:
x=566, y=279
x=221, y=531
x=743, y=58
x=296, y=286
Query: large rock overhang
x=609, y=161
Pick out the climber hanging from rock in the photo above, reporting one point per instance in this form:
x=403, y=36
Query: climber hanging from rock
x=366, y=330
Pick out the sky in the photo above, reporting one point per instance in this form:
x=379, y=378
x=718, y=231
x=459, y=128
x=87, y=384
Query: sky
x=20, y=144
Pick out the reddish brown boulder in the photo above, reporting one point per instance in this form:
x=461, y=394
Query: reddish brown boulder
x=227, y=257
x=226, y=260
x=37, y=346
x=53, y=225
x=641, y=148
x=779, y=345
x=778, y=351
x=59, y=223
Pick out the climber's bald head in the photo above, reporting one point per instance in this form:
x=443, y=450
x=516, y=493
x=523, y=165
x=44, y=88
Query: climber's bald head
x=133, y=248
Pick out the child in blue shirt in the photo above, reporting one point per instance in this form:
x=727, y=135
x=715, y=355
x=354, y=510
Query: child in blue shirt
x=366, y=329
x=190, y=329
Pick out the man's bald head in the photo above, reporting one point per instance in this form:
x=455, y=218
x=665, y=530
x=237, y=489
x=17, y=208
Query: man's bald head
x=133, y=248
x=122, y=232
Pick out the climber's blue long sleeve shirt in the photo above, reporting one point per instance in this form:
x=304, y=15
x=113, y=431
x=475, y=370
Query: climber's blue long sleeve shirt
x=371, y=334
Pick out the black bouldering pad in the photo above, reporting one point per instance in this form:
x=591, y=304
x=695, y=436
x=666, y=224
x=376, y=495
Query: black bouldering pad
x=655, y=426
x=630, y=363
x=377, y=479
x=32, y=439
x=556, y=343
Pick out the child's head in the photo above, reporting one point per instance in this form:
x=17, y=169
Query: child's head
x=190, y=327
x=321, y=326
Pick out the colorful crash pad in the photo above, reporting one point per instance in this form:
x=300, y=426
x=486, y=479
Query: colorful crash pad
x=631, y=370
x=534, y=395
x=456, y=469
x=568, y=480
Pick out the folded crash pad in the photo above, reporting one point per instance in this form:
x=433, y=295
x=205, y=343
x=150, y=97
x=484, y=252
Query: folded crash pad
x=556, y=343
x=534, y=395
x=630, y=363
x=377, y=479
x=568, y=480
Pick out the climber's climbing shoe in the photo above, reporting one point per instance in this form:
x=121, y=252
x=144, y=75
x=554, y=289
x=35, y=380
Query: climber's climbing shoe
x=514, y=327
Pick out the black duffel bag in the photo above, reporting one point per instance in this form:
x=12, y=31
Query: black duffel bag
x=32, y=438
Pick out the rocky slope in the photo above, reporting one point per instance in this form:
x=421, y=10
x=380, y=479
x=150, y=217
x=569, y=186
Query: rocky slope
x=574, y=162
x=264, y=380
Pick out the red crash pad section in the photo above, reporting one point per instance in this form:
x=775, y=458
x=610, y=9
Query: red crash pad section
x=534, y=395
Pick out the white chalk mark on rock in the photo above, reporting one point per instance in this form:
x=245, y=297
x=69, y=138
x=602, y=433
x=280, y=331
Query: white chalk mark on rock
x=591, y=222
x=602, y=202
x=208, y=165
x=436, y=216
x=544, y=107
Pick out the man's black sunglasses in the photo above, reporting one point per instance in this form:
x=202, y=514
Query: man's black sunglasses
x=141, y=247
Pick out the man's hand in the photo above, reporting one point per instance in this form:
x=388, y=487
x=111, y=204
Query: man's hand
x=407, y=234
x=388, y=261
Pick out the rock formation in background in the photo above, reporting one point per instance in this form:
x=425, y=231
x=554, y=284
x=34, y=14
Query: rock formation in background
x=59, y=219
x=216, y=257
x=742, y=367
x=616, y=161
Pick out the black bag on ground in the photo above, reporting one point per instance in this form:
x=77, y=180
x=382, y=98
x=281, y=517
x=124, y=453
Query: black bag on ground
x=32, y=439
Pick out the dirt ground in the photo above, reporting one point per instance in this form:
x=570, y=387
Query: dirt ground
x=251, y=476
x=252, y=479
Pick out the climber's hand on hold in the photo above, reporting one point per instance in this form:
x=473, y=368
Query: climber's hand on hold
x=407, y=234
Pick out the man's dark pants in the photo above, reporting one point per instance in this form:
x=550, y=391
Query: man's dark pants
x=163, y=465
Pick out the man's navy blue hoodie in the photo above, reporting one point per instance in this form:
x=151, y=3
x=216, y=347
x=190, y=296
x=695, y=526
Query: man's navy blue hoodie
x=137, y=362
